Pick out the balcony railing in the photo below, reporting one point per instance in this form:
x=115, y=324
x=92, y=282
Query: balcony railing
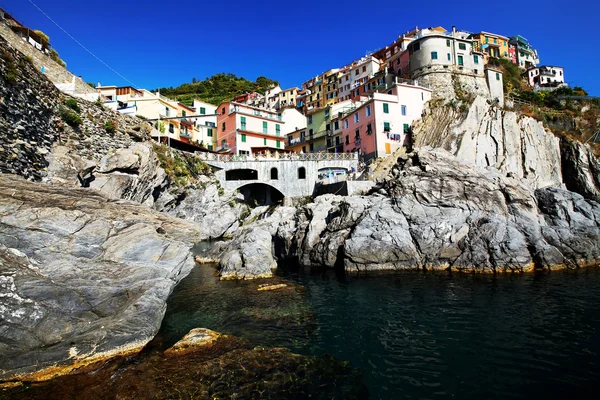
x=267, y=156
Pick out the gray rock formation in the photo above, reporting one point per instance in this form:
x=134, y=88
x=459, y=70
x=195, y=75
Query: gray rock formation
x=438, y=213
x=82, y=278
x=581, y=169
x=488, y=136
x=253, y=252
x=218, y=212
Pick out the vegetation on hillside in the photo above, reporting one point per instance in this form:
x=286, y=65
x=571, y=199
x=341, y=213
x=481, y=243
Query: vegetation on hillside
x=217, y=89
x=182, y=168
x=53, y=53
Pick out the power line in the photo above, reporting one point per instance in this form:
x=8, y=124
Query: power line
x=85, y=48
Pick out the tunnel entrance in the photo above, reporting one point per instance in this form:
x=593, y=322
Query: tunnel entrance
x=260, y=194
x=241, y=175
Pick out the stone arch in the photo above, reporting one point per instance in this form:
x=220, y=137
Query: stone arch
x=301, y=173
x=261, y=194
x=274, y=173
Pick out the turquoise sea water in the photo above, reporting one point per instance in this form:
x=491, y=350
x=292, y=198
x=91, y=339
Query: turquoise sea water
x=418, y=335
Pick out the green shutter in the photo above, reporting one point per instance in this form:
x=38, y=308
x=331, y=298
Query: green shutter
x=406, y=127
x=210, y=147
x=386, y=126
x=209, y=132
x=278, y=144
x=386, y=108
x=265, y=141
x=202, y=110
x=244, y=137
x=278, y=129
x=265, y=128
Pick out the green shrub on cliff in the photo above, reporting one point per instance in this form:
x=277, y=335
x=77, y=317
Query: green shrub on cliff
x=73, y=105
x=69, y=117
x=181, y=168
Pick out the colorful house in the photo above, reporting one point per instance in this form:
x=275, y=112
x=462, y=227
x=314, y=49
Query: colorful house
x=492, y=45
x=244, y=129
x=527, y=56
x=380, y=124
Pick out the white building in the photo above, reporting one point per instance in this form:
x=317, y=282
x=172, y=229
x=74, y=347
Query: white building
x=545, y=76
x=452, y=52
x=355, y=74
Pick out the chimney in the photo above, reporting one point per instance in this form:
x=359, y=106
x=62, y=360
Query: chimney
x=453, y=30
x=99, y=84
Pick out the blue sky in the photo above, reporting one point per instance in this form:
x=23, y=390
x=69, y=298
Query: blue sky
x=159, y=43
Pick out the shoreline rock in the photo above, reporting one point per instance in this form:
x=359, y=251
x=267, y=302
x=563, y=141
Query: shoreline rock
x=83, y=278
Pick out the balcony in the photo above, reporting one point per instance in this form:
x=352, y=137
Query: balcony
x=185, y=135
x=547, y=73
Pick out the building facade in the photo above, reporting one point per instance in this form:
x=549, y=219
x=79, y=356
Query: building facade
x=526, y=56
x=492, y=45
x=546, y=76
x=380, y=124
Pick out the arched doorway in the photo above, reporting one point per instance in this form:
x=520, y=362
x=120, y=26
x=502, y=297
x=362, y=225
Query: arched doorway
x=274, y=173
x=261, y=194
x=301, y=173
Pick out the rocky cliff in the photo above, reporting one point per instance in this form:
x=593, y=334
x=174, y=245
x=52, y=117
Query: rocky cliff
x=519, y=146
x=435, y=212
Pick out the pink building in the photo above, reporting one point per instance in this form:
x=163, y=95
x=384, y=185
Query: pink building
x=380, y=123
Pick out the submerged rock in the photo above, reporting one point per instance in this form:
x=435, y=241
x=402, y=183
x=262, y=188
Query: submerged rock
x=195, y=339
x=227, y=368
x=82, y=278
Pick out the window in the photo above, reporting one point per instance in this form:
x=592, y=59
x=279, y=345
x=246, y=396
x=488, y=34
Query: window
x=357, y=134
x=460, y=60
x=448, y=42
x=223, y=110
x=434, y=55
x=364, y=69
x=224, y=143
x=277, y=129
x=386, y=127
x=368, y=111
x=347, y=139
x=243, y=138
x=356, y=72
x=487, y=40
x=346, y=123
x=301, y=173
x=495, y=41
x=210, y=147
x=497, y=76
x=274, y=174
x=265, y=127
x=476, y=59
x=403, y=110
x=386, y=108
x=406, y=128
x=223, y=126
x=336, y=125
x=311, y=147
x=209, y=132
x=278, y=144
x=183, y=113
x=462, y=46
x=171, y=128
x=355, y=117
x=243, y=122
x=202, y=110
x=449, y=57
x=265, y=141
x=310, y=119
x=167, y=111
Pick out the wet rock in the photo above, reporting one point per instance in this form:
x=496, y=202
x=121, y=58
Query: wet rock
x=195, y=339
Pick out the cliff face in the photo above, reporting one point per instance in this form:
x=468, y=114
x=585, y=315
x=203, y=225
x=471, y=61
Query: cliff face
x=488, y=136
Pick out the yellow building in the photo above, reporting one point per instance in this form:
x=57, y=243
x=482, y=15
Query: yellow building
x=492, y=44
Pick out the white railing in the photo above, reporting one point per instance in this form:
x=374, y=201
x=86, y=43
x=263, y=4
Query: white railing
x=266, y=156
